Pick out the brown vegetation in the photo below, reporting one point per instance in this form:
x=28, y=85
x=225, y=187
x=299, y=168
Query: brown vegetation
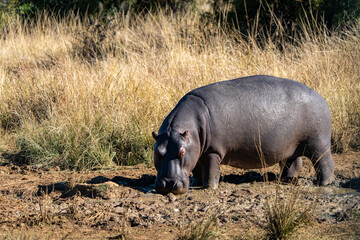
x=78, y=94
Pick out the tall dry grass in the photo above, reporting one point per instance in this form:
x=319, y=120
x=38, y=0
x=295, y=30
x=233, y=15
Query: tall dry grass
x=286, y=210
x=80, y=95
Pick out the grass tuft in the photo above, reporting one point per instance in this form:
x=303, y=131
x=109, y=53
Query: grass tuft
x=285, y=212
x=204, y=230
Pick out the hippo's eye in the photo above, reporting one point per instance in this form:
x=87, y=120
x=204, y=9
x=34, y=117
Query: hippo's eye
x=160, y=152
x=182, y=152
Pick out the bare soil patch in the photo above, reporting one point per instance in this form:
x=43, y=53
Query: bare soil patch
x=112, y=203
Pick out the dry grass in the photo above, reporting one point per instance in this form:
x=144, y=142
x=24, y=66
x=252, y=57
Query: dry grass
x=286, y=208
x=80, y=95
x=25, y=236
x=286, y=212
x=202, y=230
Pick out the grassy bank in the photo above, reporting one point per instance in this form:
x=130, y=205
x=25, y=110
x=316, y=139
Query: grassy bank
x=80, y=95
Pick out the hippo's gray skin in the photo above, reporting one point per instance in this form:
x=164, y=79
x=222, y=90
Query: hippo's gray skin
x=234, y=122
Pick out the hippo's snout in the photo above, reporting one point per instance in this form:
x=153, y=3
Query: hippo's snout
x=165, y=186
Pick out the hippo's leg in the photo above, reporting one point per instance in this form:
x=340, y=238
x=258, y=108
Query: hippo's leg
x=290, y=168
x=197, y=174
x=320, y=155
x=211, y=170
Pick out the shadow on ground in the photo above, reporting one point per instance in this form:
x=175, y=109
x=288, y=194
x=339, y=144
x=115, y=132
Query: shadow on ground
x=145, y=184
x=96, y=185
x=249, y=177
x=17, y=159
x=353, y=183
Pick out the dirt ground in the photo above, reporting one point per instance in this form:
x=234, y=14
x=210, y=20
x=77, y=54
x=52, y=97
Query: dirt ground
x=121, y=203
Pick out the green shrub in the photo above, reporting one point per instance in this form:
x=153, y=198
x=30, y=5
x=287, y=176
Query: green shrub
x=77, y=145
x=287, y=15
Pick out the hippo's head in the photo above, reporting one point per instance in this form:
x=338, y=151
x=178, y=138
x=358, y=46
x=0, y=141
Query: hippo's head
x=174, y=161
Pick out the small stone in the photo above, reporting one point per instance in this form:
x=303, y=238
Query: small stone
x=171, y=197
x=119, y=210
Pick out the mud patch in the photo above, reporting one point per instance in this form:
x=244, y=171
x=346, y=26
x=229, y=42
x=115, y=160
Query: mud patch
x=118, y=201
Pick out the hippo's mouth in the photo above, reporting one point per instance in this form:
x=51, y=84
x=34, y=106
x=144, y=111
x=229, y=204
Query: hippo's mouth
x=165, y=186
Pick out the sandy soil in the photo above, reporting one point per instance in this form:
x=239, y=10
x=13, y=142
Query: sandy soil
x=120, y=203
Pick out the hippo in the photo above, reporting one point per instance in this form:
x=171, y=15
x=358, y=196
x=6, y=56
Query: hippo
x=250, y=122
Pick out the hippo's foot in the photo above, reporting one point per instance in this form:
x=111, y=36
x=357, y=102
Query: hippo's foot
x=211, y=171
x=290, y=168
x=211, y=185
x=326, y=182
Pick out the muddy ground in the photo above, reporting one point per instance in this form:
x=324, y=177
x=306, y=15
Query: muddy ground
x=121, y=202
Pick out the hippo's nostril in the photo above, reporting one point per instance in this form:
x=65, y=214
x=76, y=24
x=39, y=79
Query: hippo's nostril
x=162, y=183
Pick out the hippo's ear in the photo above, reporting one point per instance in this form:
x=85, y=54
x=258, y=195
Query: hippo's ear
x=155, y=135
x=185, y=135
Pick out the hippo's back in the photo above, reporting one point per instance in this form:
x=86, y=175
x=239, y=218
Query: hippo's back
x=258, y=86
x=273, y=113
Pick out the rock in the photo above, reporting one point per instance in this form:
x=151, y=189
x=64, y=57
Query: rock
x=107, y=190
x=171, y=197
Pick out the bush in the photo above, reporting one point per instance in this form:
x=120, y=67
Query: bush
x=287, y=15
x=28, y=9
x=238, y=12
x=81, y=145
